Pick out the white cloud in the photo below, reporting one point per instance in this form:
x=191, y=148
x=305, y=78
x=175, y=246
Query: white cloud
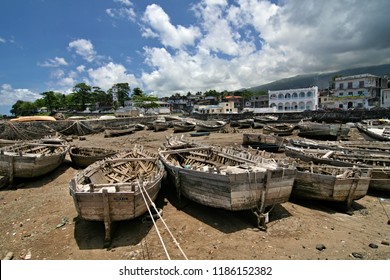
x=250, y=42
x=169, y=35
x=54, y=62
x=84, y=48
x=125, y=11
x=80, y=68
x=2, y=40
x=108, y=75
x=9, y=95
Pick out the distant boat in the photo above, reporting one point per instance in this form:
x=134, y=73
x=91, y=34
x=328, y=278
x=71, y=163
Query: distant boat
x=210, y=126
x=268, y=142
x=121, y=187
x=112, y=132
x=85, y=156
x=183, y=126
x=323, y=131
x=281, y=129
x=200, y=133
x=33, y=118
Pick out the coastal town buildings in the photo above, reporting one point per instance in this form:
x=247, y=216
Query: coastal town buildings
x=294, y=100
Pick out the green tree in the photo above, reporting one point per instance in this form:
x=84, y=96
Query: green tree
x=81, y=96
x=23, y=108
x=143, y=101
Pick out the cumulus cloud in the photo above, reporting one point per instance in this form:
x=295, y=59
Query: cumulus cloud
x=108, y=75
x=9, y=95
x=247, y=43
x=54, y=62
x=125, y=10
x=84, y=48
x=158, y=23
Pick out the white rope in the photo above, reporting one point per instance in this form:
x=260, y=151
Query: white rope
x=166, y=226
x=154, y=223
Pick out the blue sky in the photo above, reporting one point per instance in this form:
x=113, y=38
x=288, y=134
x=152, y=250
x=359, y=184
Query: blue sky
x=172, y=46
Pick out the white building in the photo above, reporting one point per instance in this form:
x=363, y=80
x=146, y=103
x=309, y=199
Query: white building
x=221, y=108
x=358, y=91
x=294, y=100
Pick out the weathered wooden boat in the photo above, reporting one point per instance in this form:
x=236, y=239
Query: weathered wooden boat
x=121, y=187
x=257, y=124
x=85, y=156
x=374, y=132
x=267, y=142
x=377, y=161
x=281, y=129
x=200, y=133
x=245, y=123
x=209, y=126
x=113, y=132
x=160, y=125
x=34, y=158
x=340, y=145
x=229, y=179
x=173, y=143
x=330, y=183
x=183, y=126
x=323, y=131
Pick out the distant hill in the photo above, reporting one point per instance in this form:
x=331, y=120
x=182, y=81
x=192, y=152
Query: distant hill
x=321, y=80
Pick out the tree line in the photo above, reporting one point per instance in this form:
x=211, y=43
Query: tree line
x=84, y=96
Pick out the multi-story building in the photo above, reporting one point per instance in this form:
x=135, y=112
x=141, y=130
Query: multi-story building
x=294, y=100
x=221, y=108
x=358, y=91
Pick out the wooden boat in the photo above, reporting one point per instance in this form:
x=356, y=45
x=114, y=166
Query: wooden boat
x=210, y=126
x=33, y=118
x=84, y=156
x=229, y=179
x=160, y=125
x=257, y=124
x=267, y=142
x=34, y=158
x=121, y=187
x=323, y=131
x=330, y=183
x=377, y=161
x=183, y=126
x=340, y=145
x=200, y=133
x=173, y=143
x=374, y=132
x=245, y=123
x=281, y=129
x=113, y=132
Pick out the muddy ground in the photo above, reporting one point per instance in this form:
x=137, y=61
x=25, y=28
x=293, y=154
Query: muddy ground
x=39, y=221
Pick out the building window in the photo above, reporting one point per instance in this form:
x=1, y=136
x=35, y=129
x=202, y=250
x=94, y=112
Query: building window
x=301, y=95
x=350, y=93
x=349, y=84
x=310, y=94
x=341, y=93
x=361, y=84
x=360, y=93
x=341, y=86
x=281, y=96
